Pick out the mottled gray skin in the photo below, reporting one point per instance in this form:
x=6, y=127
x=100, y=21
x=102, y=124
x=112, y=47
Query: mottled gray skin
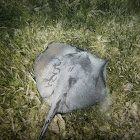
x=69, y=79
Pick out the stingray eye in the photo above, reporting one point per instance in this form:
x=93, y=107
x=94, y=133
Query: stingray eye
x=72, y=81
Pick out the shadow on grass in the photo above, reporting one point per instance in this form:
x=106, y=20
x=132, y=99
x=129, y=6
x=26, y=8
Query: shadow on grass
x=15, y=14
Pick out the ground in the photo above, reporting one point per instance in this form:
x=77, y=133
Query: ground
x=108, y=29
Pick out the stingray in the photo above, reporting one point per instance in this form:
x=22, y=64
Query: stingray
x=69, y=79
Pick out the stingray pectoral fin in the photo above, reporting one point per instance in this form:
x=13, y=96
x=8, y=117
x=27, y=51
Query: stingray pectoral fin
x=50, y=116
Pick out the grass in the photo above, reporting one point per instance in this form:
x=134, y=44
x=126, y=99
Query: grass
x=108, y=29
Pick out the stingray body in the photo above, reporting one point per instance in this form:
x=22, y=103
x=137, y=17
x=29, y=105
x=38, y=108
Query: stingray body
x=69, y=79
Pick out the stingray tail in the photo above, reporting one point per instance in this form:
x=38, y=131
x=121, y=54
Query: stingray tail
x=50, y=116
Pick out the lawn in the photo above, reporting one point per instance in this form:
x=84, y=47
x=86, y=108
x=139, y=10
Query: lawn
x=109, y=29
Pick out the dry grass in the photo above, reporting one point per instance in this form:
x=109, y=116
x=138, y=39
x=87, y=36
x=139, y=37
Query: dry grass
x=110, y=34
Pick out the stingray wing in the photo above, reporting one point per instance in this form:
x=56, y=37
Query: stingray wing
x=54, y=49
x=47, y=66
x=86, y=81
